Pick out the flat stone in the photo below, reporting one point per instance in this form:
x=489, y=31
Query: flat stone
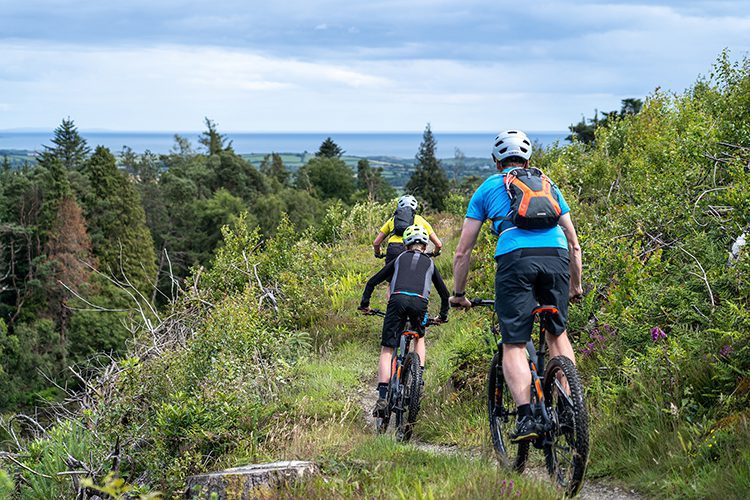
x=248, y=481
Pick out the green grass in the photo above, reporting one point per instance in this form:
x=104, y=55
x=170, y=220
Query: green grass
x=379, y=467
x=326, y=387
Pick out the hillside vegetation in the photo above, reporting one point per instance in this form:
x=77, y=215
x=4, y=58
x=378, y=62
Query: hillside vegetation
x=261, y=355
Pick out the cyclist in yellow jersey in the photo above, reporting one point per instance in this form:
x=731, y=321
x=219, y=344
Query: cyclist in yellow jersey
x=396, y=241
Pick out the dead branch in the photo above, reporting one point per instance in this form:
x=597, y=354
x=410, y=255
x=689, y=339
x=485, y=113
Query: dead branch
x=268, y=293
x=11, y=457
x=704, y=277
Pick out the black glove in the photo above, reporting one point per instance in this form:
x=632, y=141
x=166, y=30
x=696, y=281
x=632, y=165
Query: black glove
x=443, y=319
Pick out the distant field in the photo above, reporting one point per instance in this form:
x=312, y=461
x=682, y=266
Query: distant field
x=17, y=158
x=395, y=170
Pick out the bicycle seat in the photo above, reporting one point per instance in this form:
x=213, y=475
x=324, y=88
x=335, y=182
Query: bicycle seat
x=545, y=310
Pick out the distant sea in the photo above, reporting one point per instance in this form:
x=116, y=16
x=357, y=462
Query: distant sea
x=395, y=144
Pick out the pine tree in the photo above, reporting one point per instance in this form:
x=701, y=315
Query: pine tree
x=117, y=222
x=69, y=147
x=329, y=149
x=428, y=182
x=213, y=140
x=69, y=254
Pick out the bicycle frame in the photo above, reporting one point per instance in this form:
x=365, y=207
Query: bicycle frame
x=397, y=362
x=536, y=361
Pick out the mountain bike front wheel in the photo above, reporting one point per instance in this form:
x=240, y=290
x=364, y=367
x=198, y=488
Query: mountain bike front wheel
x=411, y=382
x=502, y=413
x=567, y=454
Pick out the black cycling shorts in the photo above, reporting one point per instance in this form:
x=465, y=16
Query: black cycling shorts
x=524, y=279
x=400, y=308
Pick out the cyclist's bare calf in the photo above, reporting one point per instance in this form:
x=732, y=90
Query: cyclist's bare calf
x=386, y=356
x=516, y=372
x=560, y=346
x=384, y=365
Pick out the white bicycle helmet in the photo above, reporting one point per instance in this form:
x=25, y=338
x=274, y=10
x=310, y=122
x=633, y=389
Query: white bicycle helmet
x=407, y=200
x=415, y=234
x=511, y=143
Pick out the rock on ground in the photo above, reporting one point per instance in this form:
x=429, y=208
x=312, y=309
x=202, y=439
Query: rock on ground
x=249, y=481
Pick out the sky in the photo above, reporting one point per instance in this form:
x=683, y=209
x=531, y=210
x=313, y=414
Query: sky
x=349, y=65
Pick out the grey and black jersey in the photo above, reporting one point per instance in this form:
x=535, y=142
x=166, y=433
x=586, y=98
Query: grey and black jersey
x=411, y=273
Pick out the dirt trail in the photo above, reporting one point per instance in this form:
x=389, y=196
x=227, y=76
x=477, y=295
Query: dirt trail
x=592, y=489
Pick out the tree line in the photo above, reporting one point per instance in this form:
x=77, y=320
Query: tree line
x=83, y=231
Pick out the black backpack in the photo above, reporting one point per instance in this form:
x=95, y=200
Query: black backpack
x=534, y=203
x=403, y=217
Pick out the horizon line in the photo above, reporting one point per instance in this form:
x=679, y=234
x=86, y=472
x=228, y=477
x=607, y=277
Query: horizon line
x=115, y=131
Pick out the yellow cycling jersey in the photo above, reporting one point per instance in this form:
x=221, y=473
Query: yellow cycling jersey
x=394, y=238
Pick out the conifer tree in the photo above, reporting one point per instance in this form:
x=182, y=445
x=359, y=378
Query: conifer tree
x=69, y=256
x=429, y=182
x=213, y=140
x=69, y=147
x=117, y=222
x=329, y=149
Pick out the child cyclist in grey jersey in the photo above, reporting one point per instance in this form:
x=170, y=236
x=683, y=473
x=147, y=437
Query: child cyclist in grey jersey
x=411, y=276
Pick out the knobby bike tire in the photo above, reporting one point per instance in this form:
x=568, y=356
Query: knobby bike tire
x=411, y=395
x=499, y=404
x=567, y=455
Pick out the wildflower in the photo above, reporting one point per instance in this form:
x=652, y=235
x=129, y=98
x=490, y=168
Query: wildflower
x=726, y=351
x=657, y=334
x=589, y=349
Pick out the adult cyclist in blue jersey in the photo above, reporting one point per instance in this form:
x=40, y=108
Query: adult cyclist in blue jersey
x=534, y=266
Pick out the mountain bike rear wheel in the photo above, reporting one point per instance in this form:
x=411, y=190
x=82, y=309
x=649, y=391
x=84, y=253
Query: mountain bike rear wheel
x=411, y=383
x=567, y=455
x=502, y=415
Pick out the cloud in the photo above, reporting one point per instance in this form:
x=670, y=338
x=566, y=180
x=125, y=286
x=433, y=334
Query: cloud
x=336, y=65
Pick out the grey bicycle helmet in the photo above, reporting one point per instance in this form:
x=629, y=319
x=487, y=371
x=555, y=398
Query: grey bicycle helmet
x=511, y=143
x=407, y=200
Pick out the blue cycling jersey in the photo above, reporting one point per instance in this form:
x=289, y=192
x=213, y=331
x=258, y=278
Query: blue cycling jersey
x=491, y=201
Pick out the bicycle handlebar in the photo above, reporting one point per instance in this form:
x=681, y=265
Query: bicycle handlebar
x=478, y=303
x=428, y=254
x=430, y=321
x=482, y=303
x=374, y=312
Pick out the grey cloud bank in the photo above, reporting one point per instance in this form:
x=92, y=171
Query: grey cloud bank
x=336, y=65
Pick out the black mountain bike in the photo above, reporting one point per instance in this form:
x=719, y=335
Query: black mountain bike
x=405, y=384
x=557, y=404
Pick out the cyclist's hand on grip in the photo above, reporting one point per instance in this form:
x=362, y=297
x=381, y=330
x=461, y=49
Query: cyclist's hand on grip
x=461, y=302
x=575, y=294
x=364, y=309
